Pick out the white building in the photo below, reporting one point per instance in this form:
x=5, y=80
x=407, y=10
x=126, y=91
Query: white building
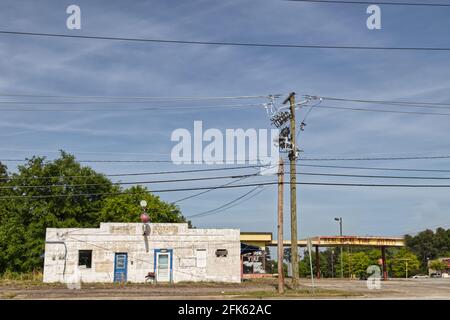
x=128, y=252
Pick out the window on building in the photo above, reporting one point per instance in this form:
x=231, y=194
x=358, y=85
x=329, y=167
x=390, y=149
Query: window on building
x=85, y=258
x=221, y=252
x=201, y=258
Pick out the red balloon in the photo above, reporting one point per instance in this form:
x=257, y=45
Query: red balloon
x=144, y=218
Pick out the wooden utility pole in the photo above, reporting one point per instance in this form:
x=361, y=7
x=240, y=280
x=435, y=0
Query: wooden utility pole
x=280, y=227
x=293, y=187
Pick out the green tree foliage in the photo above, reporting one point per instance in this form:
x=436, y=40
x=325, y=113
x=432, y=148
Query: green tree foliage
x=438, y=265
x=429, y=245
x=125, y=207
x=85, y=199
x=354, y=264
x=3, y=173
x=398, y=263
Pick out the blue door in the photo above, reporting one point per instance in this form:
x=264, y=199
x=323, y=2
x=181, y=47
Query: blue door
x=120, y=267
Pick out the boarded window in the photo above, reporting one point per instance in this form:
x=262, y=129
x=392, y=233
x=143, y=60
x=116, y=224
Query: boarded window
x=221, y=252
x=85, y=258
x=201, y=258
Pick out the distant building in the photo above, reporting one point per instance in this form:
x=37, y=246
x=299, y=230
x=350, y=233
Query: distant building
x=445, y=272
x=120, y=252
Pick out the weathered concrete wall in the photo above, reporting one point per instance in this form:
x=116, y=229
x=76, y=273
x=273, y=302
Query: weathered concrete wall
x=113, y=238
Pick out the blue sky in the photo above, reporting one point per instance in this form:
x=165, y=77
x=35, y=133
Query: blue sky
x=93, y=67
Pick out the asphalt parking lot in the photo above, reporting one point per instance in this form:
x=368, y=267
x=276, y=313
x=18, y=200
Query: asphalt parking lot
x=436, y=288
x=265, y=289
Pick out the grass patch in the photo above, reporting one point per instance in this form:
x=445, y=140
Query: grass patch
x=290, y=293
x=9, y=295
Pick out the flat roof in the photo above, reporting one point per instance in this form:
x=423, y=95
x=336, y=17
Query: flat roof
x=266, y=239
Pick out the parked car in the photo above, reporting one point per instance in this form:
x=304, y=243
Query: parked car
x=435, y=275
x=420, y=276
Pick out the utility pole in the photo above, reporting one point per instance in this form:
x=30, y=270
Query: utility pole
x=280, y=227
x=293, y=187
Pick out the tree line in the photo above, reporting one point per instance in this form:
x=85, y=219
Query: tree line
x=421, y=251
x=24, y=219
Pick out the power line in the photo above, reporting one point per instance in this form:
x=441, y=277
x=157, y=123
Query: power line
x=119, y=193
x=253, y=160
x=235, y=186
x=238, y=177
x=372, y=176
x=151, y=98
x=136, y=173
x=213, y=211
x=127, y=183
x=378, y=158
x=206, y=191
x=138, y=161
x=407, y=103
x=261, y=189
x=373, y=168
x=383, y=110
x=149, y=108
x=421, y=4
x=217, y=43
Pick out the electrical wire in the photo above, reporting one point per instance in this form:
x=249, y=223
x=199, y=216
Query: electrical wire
x=217, y=43
x=406, y=103
x=119, y=193
x=378, y=158
x=151, y=98
x=135, y=173
x=150, y=108
x=382, y=110
x=371, y=176
x=331, y=184
x=238, y=178
x=126, y=183
x=249, y=197
x=212, y=211
x=206, y=191
x=254, y=160
x=373, y=168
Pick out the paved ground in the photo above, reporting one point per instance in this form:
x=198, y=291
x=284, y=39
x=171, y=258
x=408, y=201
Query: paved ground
x=325, y=289
x=393, y=289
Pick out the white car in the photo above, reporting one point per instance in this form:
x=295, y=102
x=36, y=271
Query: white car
x=420, y=276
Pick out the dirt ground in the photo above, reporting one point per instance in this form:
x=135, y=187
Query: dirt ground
x=255, y=289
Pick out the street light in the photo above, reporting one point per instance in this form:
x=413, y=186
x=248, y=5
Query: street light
x=145, y=219
x=340, y=233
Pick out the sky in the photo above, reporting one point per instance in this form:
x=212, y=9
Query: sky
x=87, y=67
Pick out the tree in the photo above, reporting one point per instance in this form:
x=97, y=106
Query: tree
x=354, y=263
x=438, y=265
x=125, y=207
x=360, y=261
x=63, y=194
x=404, y=258
x=428, y=245
x=3, y=172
